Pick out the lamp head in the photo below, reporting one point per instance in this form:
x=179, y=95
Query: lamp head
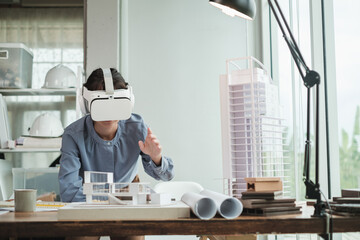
x=241, y=8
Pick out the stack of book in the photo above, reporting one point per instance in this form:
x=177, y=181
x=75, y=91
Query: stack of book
x=264, y=196
x=268, y=203
x=38, y=142
x=348, y=203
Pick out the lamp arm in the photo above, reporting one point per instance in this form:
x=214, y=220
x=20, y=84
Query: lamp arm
x=310, y=79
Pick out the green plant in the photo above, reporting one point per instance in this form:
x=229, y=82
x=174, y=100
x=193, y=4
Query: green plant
x=350, y=155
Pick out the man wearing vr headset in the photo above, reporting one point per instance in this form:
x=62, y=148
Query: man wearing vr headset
x=109, y=139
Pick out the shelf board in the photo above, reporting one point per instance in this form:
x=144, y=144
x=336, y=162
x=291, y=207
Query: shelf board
x=36, y=92
x=31, y=150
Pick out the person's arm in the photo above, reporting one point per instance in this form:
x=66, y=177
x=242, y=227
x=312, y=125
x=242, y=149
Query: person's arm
x=163, y=172
x=156, y=165
x=70, y=182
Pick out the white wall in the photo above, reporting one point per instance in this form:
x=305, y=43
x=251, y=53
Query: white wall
x=173, y=52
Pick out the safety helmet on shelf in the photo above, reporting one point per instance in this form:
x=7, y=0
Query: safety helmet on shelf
x=60, y=76
x=46, y=125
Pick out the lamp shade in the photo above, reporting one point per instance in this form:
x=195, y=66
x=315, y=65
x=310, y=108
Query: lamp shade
x=241, y=8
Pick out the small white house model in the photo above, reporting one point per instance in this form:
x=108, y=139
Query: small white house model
x=100, y=188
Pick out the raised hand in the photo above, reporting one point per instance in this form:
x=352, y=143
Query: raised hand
x=151, y=147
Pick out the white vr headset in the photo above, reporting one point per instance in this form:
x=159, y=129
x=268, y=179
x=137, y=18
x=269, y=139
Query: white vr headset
x=109, y=104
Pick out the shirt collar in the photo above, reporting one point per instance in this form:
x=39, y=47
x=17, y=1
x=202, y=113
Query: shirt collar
x=96, y=137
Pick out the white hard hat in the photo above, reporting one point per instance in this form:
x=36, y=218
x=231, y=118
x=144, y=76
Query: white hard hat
x=46, y=125
x=60, y=76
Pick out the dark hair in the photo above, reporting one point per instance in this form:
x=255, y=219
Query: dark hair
x=96, y=80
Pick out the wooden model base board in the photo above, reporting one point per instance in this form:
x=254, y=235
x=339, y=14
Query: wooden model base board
x=123, y=212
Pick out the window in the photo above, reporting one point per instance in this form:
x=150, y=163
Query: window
x=338, y=94
x=347, y=52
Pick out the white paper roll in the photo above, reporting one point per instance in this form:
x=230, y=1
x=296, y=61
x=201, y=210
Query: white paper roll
x=228, y=207
x=202, y=206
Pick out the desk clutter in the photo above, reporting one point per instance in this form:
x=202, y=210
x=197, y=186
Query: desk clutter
x=348, y=204
x=264, y=197
x=106, y=200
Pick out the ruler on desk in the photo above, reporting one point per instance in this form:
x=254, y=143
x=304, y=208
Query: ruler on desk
x=40, y=206
x=55, y=205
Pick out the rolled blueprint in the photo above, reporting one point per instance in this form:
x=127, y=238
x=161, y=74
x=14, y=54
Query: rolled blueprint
x=202, y=206
x=228, y=207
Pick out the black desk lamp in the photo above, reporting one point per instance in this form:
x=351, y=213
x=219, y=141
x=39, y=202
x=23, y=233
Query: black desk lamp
x=247, y=9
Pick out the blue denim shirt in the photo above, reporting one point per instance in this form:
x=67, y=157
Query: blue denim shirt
x=83, y=150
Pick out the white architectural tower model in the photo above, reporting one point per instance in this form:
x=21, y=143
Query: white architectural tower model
x=252, y=132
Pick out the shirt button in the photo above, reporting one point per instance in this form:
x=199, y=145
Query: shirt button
x=109, y=143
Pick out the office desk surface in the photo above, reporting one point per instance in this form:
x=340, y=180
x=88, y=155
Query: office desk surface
x=46, y=224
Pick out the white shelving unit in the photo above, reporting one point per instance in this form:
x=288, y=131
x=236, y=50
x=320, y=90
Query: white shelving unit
x=21, y=157
x=29, y=150
x=36, y=92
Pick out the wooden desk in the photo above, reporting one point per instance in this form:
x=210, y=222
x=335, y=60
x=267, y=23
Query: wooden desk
x=45, y=224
